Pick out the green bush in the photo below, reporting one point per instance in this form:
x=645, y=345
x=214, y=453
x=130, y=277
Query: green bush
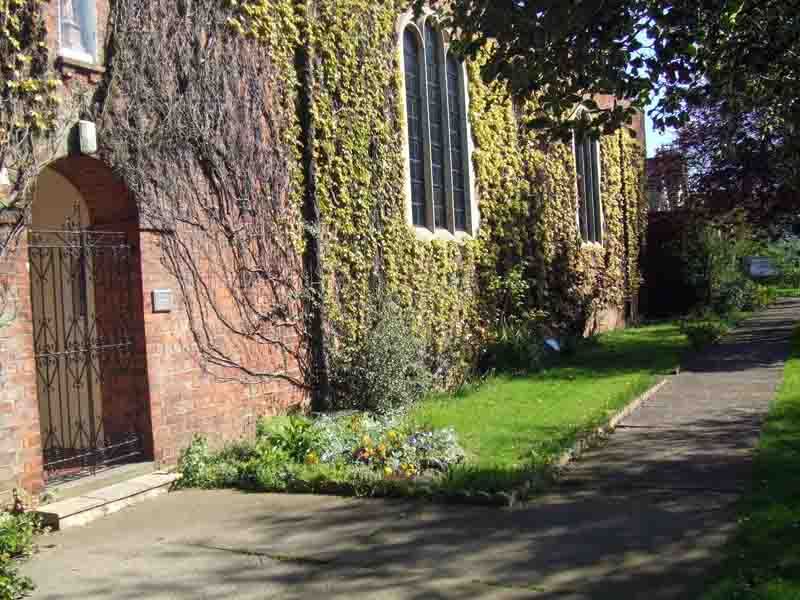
x=742, y=294
x=785, y=255
x=516, y=347
x=759, y=296
x=17, y=533
x=387, y=369
x=704, y=332
x=194, y=464
x=731, y=297
x=294, y=435
x=713, y=251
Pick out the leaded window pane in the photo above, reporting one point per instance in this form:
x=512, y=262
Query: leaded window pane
x=77, y=26
x=596, y=205
x=580, y=169
x=414, y=111
x=587, y=165
x=434, y=52
x=458, y=150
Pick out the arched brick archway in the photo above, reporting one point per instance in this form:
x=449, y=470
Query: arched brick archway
x=88, y=320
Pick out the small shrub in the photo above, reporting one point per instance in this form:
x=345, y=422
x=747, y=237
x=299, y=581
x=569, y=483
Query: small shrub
x=17, y=533
x=703, y=332
x=741, y=294
x=515, y=347
x=387, y=369
x=732, y=296
x=13, y=586
x=294, y=435
x=764, y=296
x=194, y=464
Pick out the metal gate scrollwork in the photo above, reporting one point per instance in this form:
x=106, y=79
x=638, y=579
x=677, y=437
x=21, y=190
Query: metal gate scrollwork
x=84, y=352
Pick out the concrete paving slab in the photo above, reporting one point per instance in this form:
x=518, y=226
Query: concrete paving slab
x=643, y=516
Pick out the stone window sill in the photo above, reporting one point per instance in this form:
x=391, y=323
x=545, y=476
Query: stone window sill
x=70, y=64
x=426, y=235
x=593, y=247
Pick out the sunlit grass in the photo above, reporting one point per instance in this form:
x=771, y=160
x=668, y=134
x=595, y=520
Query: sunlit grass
x=763, y=560
x=509, y=425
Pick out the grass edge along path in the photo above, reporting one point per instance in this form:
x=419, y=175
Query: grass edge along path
x=512, y=427
x=762, y=561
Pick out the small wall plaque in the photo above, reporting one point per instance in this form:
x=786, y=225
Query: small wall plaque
x=162, y=301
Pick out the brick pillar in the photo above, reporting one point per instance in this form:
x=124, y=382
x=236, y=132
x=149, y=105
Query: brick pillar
x=20, y=435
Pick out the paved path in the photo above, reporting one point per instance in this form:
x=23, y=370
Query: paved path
x=641, y=517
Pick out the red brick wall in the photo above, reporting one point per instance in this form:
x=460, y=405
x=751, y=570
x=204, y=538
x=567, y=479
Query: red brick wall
x=166, y=374
x=638, y=124
x=184, y=398
x=164, y=389
x=20, y=439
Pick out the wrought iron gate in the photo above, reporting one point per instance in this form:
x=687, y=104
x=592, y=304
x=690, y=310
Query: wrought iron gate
x=82, y=310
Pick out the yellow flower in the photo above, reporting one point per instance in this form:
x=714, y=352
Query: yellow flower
x=387, y=471
x=312, y=458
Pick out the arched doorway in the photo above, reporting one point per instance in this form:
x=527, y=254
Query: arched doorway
x=87, y=321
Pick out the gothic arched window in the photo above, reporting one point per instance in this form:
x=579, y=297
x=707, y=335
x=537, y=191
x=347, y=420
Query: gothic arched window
x=437, y=132
x=414, y=112
x=590, y=206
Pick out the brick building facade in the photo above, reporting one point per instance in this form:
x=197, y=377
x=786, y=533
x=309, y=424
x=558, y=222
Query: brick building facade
x=162, y=391
x=151, y=379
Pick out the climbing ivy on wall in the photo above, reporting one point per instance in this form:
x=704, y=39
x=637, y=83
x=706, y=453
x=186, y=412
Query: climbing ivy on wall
x=29, y=102
x=527, y=260
x=199, y=120
x=366, y=241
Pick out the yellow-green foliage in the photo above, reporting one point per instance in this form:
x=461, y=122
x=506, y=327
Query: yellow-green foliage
x=29, y=99
x=366, y=241
x=27, y=93
x=527, y=256
x=275, y=24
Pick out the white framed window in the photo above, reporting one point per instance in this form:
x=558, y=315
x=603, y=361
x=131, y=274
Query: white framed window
x=438, y=161
x=590, y=205
x=78, y=30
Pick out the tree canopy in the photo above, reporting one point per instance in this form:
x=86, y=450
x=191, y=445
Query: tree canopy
x=737, y=55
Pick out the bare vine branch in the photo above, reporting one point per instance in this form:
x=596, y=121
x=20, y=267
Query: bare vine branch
x=198, y=121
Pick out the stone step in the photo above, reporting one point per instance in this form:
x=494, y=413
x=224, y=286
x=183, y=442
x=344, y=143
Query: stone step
x=81, y=510
x=102, y=478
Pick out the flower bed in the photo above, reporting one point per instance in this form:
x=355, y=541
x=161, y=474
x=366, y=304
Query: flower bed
x=358, y=453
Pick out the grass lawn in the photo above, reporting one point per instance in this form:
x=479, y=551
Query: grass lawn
x=509, y=426
x=510, y=430
x=787, y=292
x=763, y=560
